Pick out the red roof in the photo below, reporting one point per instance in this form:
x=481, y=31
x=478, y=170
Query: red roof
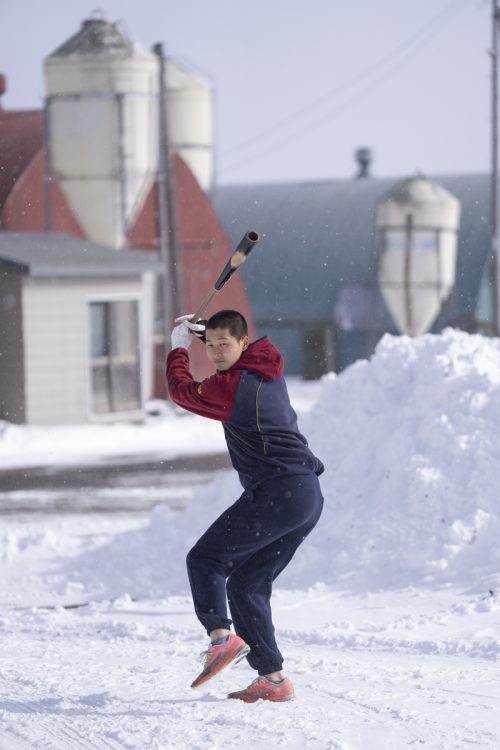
x=20, y=139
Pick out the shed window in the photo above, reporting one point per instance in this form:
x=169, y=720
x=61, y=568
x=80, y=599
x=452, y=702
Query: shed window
x=115, y=378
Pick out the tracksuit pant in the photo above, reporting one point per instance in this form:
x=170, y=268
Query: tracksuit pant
x=241, y=554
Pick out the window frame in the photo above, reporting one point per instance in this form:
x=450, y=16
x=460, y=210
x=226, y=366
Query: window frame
x=110, y=298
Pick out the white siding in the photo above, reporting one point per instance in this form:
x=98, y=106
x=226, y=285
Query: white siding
x=56, y=342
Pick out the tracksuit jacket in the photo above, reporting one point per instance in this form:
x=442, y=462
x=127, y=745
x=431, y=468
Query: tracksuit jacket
x=251, y=400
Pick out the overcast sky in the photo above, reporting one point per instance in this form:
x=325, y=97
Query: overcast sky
x=300, y=84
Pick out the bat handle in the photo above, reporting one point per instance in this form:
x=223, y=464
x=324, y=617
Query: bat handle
x=199, y=312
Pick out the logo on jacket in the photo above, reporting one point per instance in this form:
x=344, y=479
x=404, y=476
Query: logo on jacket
x=199, y=390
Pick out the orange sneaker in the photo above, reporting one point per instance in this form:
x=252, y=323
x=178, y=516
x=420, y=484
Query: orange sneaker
x=218, y=657
x=266, y=690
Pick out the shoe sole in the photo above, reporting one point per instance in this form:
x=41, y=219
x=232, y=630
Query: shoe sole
x=230, y=659
x=254, y=700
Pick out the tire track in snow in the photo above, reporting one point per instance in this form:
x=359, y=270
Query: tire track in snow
x=46, y=731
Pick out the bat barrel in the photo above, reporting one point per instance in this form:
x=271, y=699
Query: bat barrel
x=247, y=242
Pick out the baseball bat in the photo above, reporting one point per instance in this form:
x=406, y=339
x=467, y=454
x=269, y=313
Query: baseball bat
x=238, y=257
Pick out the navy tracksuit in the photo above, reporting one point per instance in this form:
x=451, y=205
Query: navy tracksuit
x=251, y=542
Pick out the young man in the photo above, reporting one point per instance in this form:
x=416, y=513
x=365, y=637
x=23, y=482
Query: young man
x=244, y=550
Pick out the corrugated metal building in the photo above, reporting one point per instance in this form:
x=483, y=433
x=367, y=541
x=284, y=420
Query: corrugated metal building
x=313, y=281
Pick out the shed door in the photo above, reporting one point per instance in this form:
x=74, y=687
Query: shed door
x=115, y=373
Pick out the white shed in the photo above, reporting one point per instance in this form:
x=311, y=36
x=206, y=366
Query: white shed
x=76, y=329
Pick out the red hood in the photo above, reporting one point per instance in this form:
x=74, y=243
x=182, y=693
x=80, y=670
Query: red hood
x=263, y=358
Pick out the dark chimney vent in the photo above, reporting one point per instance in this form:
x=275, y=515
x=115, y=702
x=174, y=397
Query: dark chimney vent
x=363, y=157
x=3, y=84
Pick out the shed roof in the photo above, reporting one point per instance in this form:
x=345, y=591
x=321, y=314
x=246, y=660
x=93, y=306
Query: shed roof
x=318, y=237
x=63, y=255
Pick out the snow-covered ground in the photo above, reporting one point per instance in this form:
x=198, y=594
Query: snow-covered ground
x=389, y=616
x=167, y=432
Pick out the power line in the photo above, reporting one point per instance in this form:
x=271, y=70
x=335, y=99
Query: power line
x=402, y=54
x=347, y=84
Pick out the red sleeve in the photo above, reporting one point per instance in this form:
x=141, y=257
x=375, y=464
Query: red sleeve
x=212, y=397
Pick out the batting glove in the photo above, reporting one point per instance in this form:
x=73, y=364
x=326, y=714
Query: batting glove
x=182, y=334
x=198, y=329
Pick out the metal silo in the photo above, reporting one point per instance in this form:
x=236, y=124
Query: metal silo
x=417, y=228
x=190, y=107
x=102, y=127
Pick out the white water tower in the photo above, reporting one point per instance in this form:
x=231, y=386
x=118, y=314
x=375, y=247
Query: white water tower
x=417, y=227
x=102, y=127
x=191, y=127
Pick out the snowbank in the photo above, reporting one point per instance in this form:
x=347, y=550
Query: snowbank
x=411, y=442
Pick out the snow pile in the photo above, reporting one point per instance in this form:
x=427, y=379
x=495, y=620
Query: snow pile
x=145, y=562
x=411, y=442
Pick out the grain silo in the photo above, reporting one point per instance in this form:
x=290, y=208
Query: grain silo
x=417, y=223
x=102, y=127
x=190, y=107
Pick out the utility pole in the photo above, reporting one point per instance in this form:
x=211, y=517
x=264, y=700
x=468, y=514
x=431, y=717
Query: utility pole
x=167, y=319
x=494, y=169
x=166, y=208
